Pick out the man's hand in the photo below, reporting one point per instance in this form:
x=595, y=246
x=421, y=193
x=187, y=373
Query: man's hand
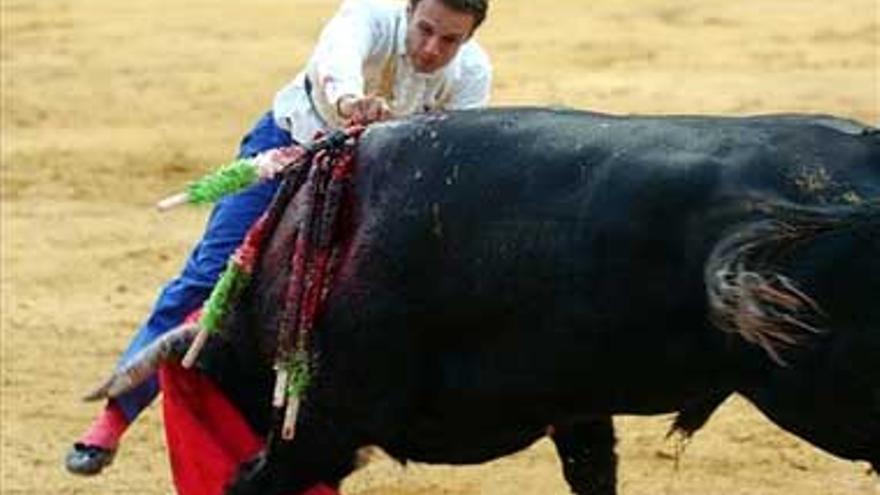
x=363, y=110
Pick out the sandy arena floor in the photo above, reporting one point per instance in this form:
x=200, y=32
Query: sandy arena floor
x=108, y=105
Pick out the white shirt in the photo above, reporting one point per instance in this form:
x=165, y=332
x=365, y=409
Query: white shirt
x=361, y=51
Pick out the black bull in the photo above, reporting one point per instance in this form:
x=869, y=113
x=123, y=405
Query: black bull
x=514, y=273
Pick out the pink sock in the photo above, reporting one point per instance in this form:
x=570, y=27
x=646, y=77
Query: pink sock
x=106, y=430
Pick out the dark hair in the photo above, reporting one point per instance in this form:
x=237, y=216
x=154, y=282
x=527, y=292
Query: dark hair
x=477, y=8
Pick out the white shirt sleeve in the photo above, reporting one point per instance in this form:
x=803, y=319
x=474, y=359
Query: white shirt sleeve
x=336, y=66
x=472, y=86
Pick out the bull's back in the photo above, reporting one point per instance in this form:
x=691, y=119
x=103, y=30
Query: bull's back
x=534, y=203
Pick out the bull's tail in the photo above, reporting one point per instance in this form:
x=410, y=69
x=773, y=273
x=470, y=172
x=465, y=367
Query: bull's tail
x=746, y=296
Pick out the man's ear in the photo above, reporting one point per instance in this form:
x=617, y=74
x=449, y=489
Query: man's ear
x=471, y=34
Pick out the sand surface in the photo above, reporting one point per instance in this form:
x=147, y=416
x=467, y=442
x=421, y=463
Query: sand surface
x=109, y=105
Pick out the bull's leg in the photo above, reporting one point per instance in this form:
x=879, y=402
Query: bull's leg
x=849, y=428
x=321, y=452
x=586, y=450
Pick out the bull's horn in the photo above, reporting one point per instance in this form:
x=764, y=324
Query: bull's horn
x=145, y=363
x=100, y=392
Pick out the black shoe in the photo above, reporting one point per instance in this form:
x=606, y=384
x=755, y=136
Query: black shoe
x=88, y=460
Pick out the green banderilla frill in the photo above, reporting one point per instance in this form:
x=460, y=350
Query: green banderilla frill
x=225, y=293
x=298, y=373
x=226, y=180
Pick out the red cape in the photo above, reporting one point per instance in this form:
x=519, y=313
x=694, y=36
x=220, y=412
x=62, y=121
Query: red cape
x=207, y=438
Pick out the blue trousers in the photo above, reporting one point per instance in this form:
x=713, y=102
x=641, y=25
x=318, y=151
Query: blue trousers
x=229, y=222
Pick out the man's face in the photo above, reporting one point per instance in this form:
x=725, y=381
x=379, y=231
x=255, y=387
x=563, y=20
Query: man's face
x=435, y=33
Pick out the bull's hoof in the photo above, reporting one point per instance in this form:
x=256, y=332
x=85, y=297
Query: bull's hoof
x=88, y=460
